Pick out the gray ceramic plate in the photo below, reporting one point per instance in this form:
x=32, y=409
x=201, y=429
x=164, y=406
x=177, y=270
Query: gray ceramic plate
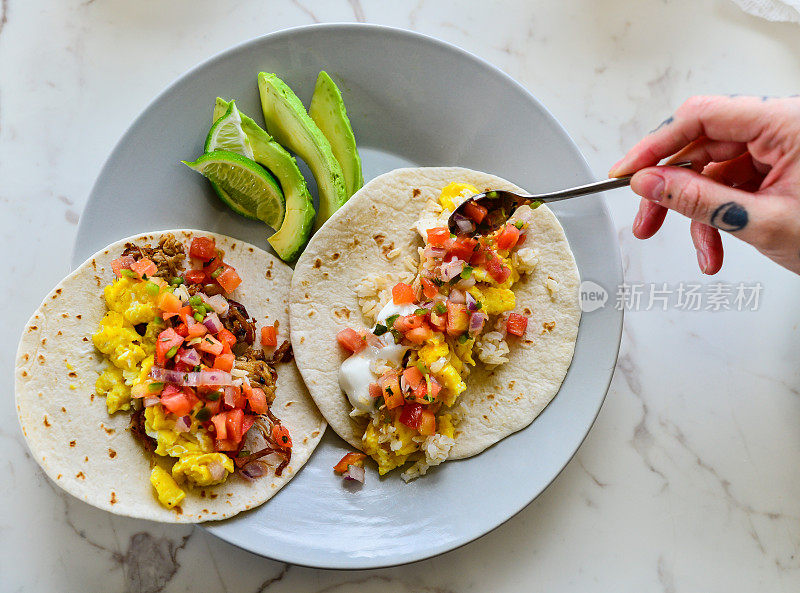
x=413, y=100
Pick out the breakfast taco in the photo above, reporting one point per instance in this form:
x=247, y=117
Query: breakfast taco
x=156, y=380
x=419, y=345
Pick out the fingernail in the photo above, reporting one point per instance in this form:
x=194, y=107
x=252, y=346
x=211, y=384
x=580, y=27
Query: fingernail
x=614, y=171
x=650, y=186
x=702, y=261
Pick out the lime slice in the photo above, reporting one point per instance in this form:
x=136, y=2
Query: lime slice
x=227, y=134
x=244, y=185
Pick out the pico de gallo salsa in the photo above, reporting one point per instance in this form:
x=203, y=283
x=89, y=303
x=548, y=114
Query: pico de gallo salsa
x=183, y=360
x=407, y=373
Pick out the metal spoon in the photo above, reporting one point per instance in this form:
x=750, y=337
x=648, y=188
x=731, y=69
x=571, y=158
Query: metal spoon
x=502, y=204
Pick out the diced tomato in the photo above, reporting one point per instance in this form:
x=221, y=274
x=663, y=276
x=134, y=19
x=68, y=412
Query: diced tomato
x=438, y=236
x=475, y=212
x=170, y=389
x=423, y=395
x=122, y=263
x=352, y=458
x=226, y=337
x=225, y=445
x=521, y=239
x=427, y=423
x=269, y=336
x=479, y=257
x=413, y=377
x=247, y=423
x=419, y=334
x=179, y=403
x=408, y=322
x=211, y=266
x=168, y=302
x=351, y=340
x=463, y=248
x=211, y=345
x=187, y=315
x=258, y=400
x=234, y=398
x=508, y=237
x=182, y=330
x=410, y=416
x=375, y=390
x=220, y=428
x=439, y=321
x=224, y=362
x=195, y=276
x=435, y=388
x=457, y=319
x=196, y=330
x=280, y=434
x=392, y=394
x=429, y=288
x=144, y=268
x=203, y=248
x=214, y=407
x=229, y=279
x=233, y=424
x=403, y=294
x=516, y=324
x=497, y=270
x=166, y=340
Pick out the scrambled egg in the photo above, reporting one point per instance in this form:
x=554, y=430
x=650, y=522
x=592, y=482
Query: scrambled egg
x=132, y=299
x=170, y=442
x=129, y=303
x=168, y=492
x=435, y=348
x=197, y=468
x=493, y=299
x=381, y=452
x=112, y=385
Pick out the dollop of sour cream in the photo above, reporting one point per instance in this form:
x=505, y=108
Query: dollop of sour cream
x=355, y=373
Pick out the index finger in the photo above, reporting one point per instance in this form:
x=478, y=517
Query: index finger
x=726, y=119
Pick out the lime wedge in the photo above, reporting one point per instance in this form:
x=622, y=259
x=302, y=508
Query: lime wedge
x=227, y=134
x=244, y=185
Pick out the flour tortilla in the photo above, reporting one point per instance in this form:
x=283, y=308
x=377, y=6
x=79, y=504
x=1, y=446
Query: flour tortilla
x=91, y=454
x=357, y=240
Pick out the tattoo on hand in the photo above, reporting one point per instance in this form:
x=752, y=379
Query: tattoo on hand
x=729, y=217
x=666, y=122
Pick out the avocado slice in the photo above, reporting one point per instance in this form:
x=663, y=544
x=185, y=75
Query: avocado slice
x=295, y=231
x=288, y=122
x=328, y=112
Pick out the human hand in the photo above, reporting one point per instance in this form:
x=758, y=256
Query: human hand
x=745, y=154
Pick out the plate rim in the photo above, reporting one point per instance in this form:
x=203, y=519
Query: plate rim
x=461, y=53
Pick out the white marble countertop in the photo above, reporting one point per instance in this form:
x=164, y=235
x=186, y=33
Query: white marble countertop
x=688, y=481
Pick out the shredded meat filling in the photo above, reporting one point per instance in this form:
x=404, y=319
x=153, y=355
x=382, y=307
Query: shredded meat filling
x=239, y=325
x=168, y=255
x=260, y=374
x=138, y=431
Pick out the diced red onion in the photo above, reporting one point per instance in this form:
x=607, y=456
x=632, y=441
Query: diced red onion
x=476, y=323
x=451, y=269
x=464, y=224
x=457, y=297
x=217, y=471
x=466, y=283
x=183, y=424
x=230, y=396
x=217, y=302
x=149, y=402
x=191, y=379
x=253, y=470
x=472, y=302
x=404, y=386
x=354, y=473
x=373, y=341
x=190, y=356
x=212, y=323
x=433, y=252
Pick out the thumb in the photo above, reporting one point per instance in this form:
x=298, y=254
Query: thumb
x=701, y=199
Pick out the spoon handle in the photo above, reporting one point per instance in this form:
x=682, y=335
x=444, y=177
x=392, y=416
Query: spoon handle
x=593, y=188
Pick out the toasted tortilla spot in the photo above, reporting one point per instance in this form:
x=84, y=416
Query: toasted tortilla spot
x=80, y=476
x=46, y=422
x=416, y=192
x=85, y=339
x=41, y=359
x=113, y=498
x=72, y=443
x=527, y=311
x=24, y=373
x=548, y=326
x=379, y=238
x=213, y=495
x=72, y=374
x=317, y=263
x=112, y=454
x=64, y=315
x=268, y=274
x=33, y=328
x=78, y=316
x=58, y=477
x=335, y=256
x=63, y=409
x=511, y=384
